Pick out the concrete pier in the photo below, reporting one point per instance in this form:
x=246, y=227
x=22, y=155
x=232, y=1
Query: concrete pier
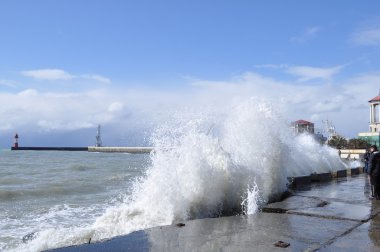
x=330, y=216
x=131, y=150
x=50, y=148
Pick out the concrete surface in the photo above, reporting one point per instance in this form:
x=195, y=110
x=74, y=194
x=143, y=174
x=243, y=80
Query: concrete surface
x=332, y=216
x=131, y=150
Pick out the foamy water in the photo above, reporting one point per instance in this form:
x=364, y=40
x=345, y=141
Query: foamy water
x=205, y=165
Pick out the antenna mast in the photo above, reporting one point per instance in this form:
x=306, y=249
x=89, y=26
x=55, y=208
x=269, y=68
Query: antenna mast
x=98, y=137
x=330, y=129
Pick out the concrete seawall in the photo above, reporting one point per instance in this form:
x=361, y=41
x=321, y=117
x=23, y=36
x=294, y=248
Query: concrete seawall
x=295, y=182
x=332, y=216
x=131, y=150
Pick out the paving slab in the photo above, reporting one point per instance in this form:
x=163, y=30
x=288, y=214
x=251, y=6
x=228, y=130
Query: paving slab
x=337, y=210
x=294, y=203
x=355, y=190
x=366, y=238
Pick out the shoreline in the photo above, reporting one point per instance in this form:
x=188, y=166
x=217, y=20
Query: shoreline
x=316, y=216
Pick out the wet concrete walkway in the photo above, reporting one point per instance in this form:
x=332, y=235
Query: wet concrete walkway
x=333, y=216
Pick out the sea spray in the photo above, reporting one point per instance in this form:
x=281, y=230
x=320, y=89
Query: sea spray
x=354, y=164
x=189, y=178
x=308, y=156
x=250, y=202
x=197, y=172
x=209, y=164
x=255, y=136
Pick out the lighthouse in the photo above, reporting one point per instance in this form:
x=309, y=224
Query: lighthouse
x=15, y=145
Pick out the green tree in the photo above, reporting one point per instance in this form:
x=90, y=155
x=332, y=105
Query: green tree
x=338, y=142
x=356, y=143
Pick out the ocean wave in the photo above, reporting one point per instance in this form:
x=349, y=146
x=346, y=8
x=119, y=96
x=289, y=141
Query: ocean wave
x=216, y=163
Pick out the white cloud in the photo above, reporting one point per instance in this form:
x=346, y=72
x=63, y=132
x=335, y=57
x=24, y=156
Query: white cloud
x=8, y=83
x=333, y=104
x=59, y=74
x=308, y=34
x=272, y=66
x=6, y=127
x=32, y=111
x=367, y=33
x=366, y=37
x=48, y=74
x=62, y=125
x=306, y=73
x=28, y=92
x=344, y=103
x=98, y=78
x=115, y=107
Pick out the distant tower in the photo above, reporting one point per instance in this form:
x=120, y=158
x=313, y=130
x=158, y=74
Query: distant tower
x=15, y=145
x=98, y=138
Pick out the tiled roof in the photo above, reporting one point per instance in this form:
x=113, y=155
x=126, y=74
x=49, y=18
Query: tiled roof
x=377, y=98
x=302, y=122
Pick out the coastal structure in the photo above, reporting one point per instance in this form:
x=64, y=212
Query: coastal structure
x=302, y=126
x=15, y=144
x=97, y=148
x=16, y=147
x=373, y=136
x=330, y=129
x=312, y=218
x=98, y=138
x=130, y=150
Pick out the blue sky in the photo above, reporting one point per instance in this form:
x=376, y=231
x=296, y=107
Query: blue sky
x=58, y=58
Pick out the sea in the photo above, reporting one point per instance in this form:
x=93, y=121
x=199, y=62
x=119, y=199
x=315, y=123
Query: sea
x=204, y=165
x=60, y=190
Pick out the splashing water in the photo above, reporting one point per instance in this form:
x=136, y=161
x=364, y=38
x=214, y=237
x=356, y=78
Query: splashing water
x=354, y=164
x=240, y=166
x=250, y=202
x=236, y=167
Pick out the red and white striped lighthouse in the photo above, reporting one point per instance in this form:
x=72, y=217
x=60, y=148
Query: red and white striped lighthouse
x=16, y=142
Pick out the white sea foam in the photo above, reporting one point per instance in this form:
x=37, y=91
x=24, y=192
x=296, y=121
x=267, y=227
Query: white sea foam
x=208, y=165
x=238, y=166
x=355, y=164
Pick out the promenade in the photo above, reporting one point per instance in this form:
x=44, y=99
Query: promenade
x=331, y=216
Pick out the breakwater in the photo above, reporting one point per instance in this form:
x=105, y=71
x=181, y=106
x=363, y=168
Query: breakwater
x=131, y=150
x=51, y=148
